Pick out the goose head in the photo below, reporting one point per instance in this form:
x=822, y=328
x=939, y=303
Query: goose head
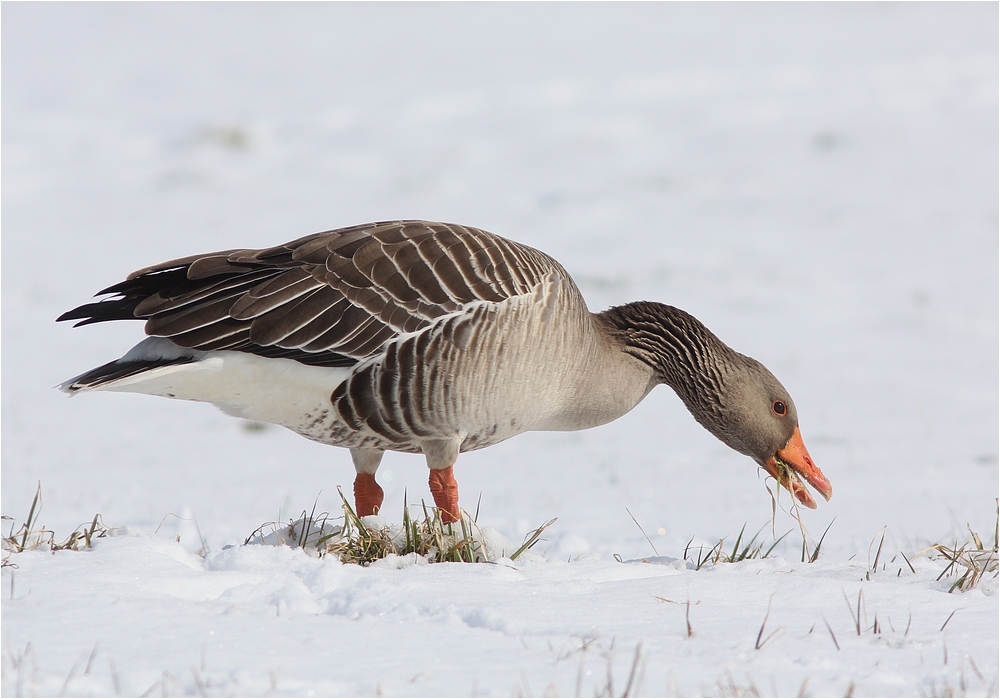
x=733, y=396
x=756, y=417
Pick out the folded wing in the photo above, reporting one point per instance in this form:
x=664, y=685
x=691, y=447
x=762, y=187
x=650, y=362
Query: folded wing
x=329, y=299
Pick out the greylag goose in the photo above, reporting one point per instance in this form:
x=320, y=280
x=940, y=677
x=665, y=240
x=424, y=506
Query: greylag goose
x=428, y=338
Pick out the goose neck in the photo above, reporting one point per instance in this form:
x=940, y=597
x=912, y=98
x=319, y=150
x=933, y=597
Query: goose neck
x=683, y=353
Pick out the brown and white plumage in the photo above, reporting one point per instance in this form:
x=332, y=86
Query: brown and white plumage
x=423, y=337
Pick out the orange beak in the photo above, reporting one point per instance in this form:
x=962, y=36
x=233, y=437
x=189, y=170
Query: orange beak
x=792, y=461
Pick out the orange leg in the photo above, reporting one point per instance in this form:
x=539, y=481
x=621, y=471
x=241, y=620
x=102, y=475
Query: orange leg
x=367, y=495
x=444, y=488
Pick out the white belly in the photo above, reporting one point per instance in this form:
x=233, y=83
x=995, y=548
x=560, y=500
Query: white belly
x=278, y=391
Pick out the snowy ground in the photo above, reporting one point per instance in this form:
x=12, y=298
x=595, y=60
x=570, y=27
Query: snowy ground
x=817, y=183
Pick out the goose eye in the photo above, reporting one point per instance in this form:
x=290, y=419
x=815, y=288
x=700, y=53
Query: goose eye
x=779, y=408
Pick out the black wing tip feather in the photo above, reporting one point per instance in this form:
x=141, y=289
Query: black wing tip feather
x=130, y=292
x=102, y=311
x=71, y=315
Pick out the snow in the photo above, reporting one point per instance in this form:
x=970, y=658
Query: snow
x=816, y=182
x=254, y=619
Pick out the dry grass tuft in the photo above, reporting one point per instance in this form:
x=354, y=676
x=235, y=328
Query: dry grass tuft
x=741, y=550
x=364, y=540
x=969, y=562
x=744, y=549
x=31, y=536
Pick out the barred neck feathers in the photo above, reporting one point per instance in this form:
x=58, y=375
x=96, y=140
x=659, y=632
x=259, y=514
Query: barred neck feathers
x=684, y=353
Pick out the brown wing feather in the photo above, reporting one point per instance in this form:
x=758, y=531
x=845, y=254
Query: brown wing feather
x=274, y=294
x=330, y=298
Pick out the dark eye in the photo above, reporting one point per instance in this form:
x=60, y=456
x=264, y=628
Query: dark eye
x=779, y=408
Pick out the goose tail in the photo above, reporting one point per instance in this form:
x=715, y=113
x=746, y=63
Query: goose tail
x=120, y=372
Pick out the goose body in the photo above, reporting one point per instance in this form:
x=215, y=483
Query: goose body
x=427, y=338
